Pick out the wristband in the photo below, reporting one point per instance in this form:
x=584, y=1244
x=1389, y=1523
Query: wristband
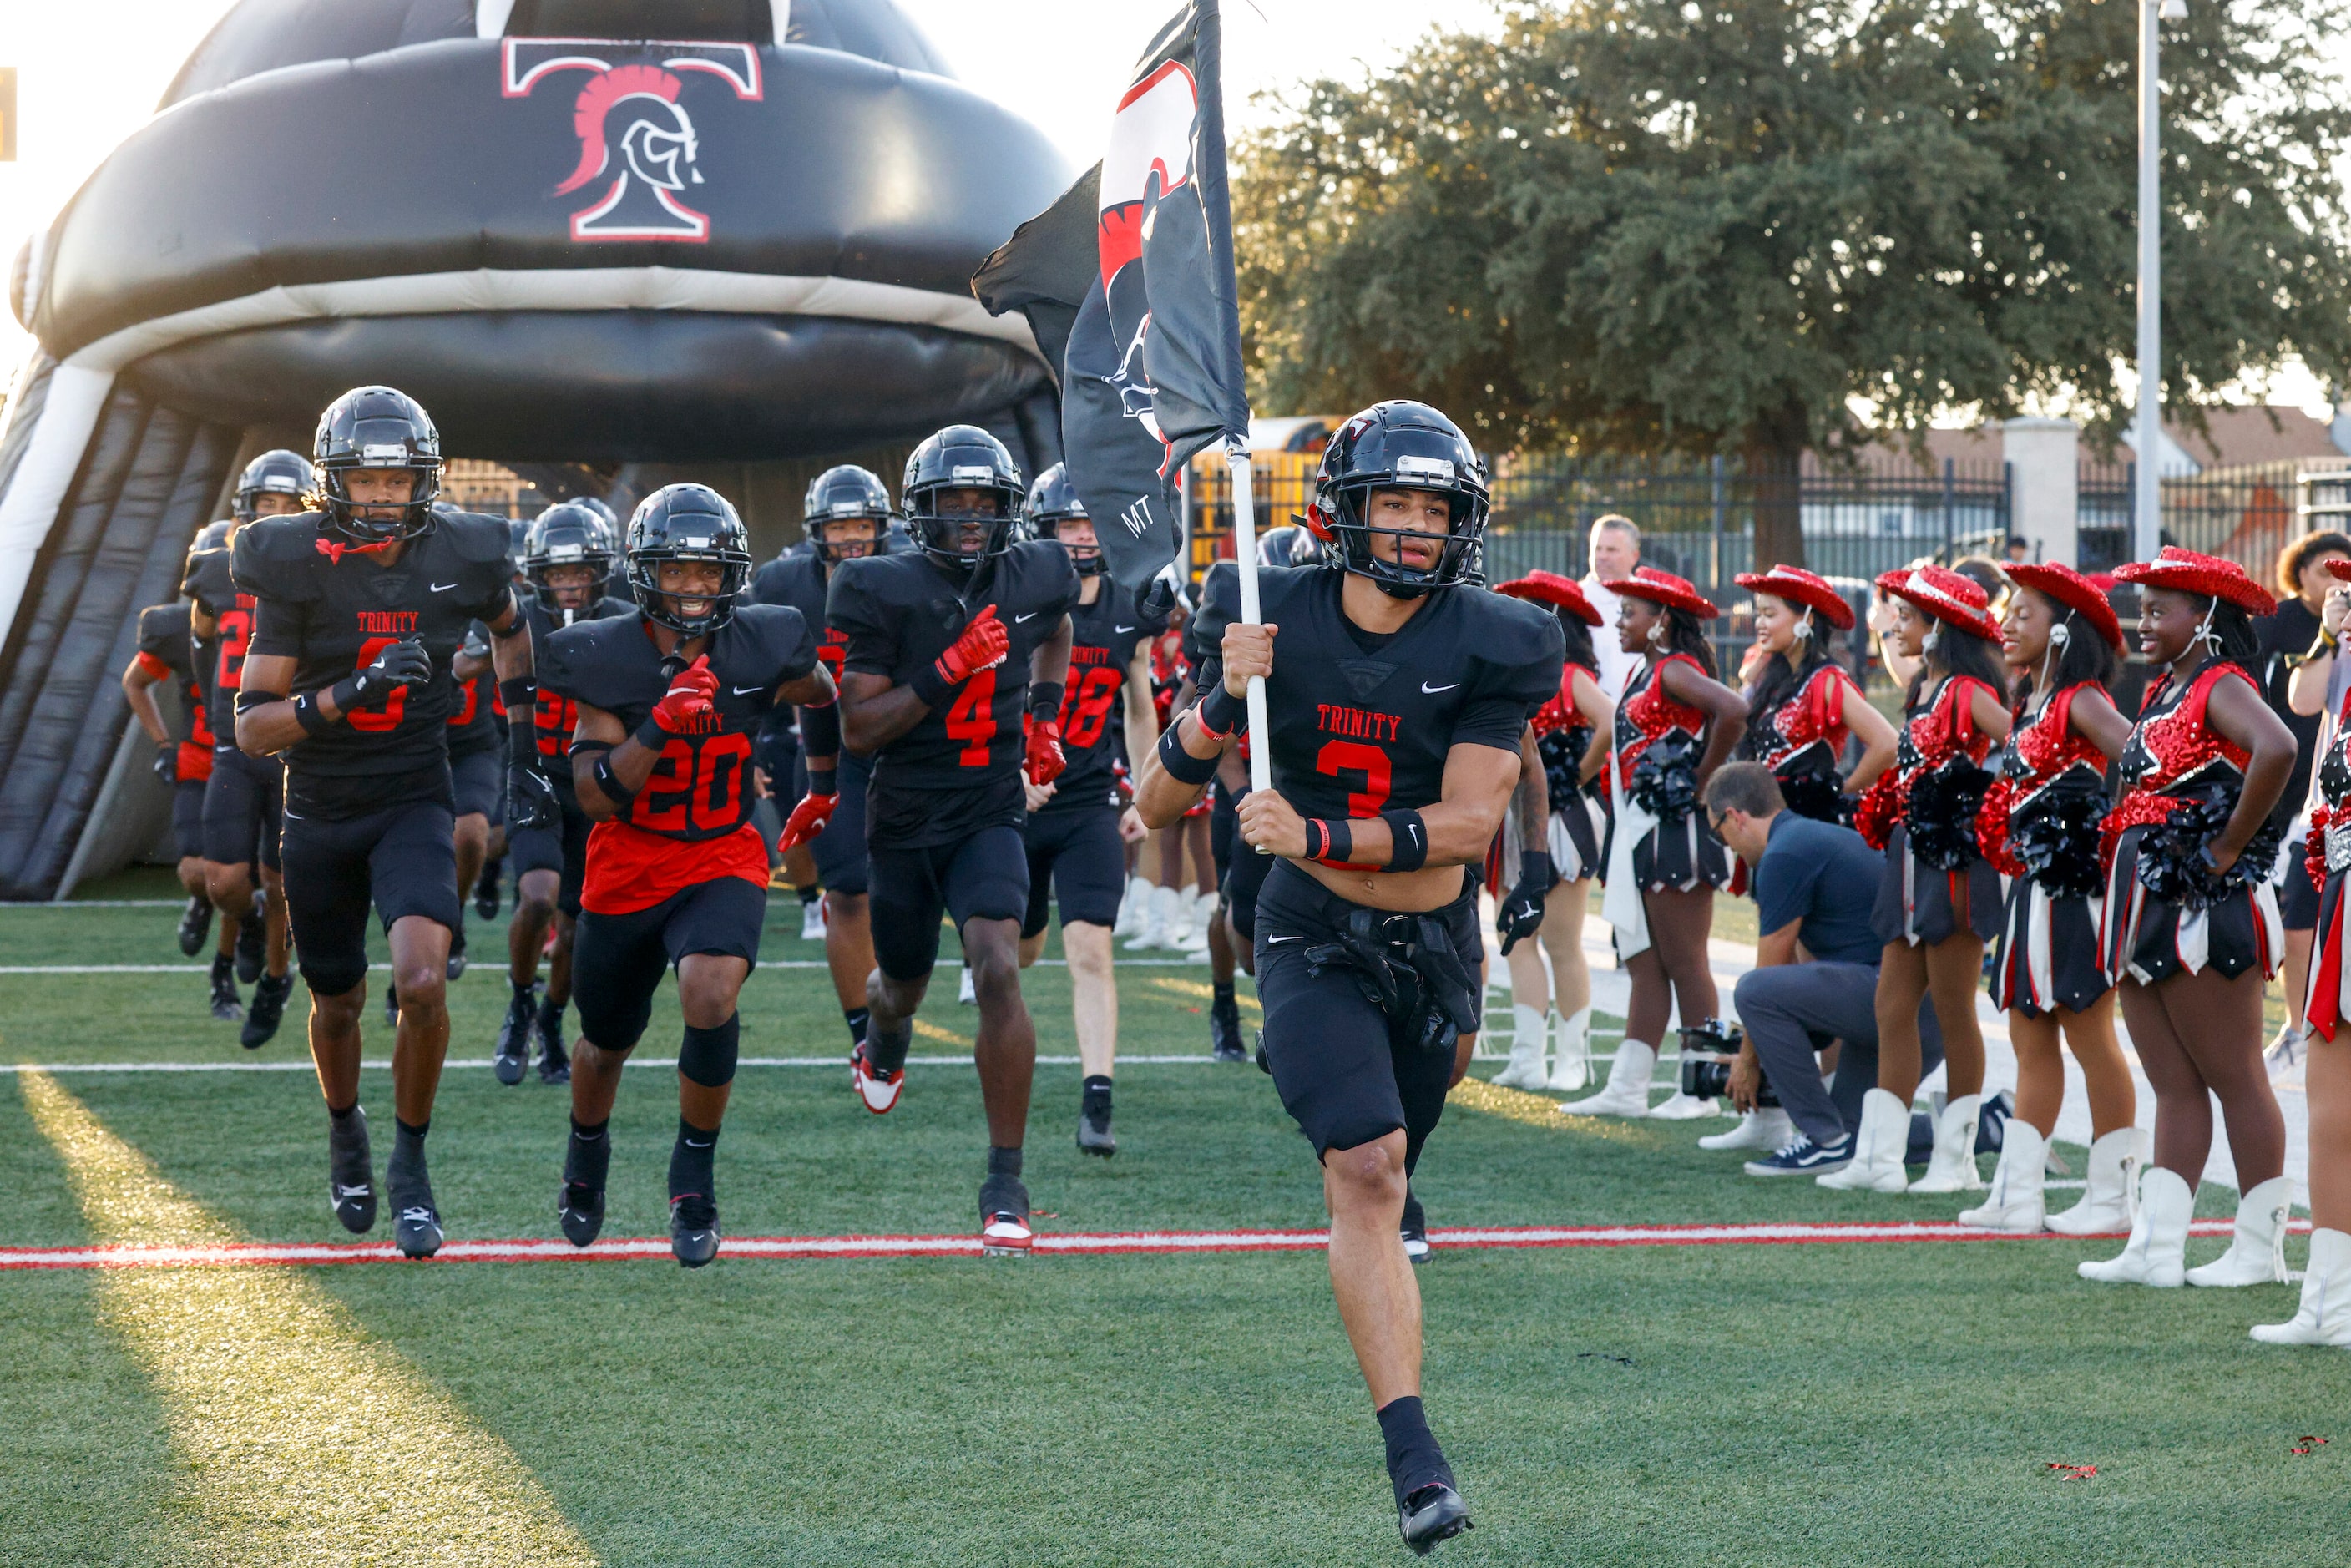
x=1181, y=765
x=1223, y=714
x=1336, y=838
x=1045, y=699
x=1407, y=840
x=1317, y=839
x=823, y=781
x=929, y=686
x=347, y=694
x=520, y=693
x=652, y=736
x=307, y=713
x=1535, y=868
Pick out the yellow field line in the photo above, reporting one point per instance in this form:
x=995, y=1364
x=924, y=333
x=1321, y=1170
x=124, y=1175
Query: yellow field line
x=304, y=1441
x=944, y=1036
x=1205, y=993
x=1536, y=1110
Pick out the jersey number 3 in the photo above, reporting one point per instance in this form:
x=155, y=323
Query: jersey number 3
x=1339, y=758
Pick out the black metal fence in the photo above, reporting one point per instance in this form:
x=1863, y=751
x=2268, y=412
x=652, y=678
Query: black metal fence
x=2245, y=513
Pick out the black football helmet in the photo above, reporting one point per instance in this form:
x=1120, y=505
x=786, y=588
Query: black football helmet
x=687, y=522
x=961, y=458
x=1053, y=500
x=211, y=536
x=612, y=518
x=1278, y=547
x=847, y=493
x=566, y=534
x=376, y=427
x=1398, y=446
x=275, y=473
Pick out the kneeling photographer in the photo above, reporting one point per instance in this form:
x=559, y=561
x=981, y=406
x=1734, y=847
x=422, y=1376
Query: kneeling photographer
x=1814, y=982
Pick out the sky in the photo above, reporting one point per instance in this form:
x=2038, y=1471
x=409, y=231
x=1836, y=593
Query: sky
x=75, y=103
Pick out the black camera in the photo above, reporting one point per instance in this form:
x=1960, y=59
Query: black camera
x=1707, y=1052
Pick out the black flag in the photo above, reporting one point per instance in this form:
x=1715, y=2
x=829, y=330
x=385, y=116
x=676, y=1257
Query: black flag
x=1151, y=370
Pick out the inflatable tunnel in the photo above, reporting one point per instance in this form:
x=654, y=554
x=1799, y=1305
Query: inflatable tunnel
x=585, y=234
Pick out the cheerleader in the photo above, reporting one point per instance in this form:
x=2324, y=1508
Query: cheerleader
x=2324, y=1317
x=1802, y=707
x=1570, y=749
x=1938, y=903
x=2039, y=826
x=2191, y=930
x=1674, y=726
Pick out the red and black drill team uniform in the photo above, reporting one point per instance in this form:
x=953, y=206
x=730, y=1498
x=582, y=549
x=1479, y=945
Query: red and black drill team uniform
x=800, y=579
x=1074, y=850
x=683, y=870
x=944, y=806
x=561, y=846
x=1362, y=1006
x=245, y=798
x=167, y=651
x=369, y=812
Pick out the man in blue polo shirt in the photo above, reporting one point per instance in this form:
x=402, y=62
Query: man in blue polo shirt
x=1815, y=978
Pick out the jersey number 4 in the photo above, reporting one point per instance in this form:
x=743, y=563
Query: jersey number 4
x=1339, y=758
x=971, y=719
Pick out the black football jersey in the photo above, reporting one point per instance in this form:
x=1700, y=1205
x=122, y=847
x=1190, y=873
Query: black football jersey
x=333, y=610
x=1362, y=722
x=211, y=583
x=1105, y=635
x=558, y=717
x=164, y=636
x=701, y=784
x=474, y=714
x=958, y=770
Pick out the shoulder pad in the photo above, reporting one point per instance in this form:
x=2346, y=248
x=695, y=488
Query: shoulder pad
x=1518, y=645
x=858, y=586
x=1042, y=575
x=777, y=641
x=577, y=662
x=208, y=578
x=277, y=557
x=163, y=630
x=474, y=536
x=608, y=607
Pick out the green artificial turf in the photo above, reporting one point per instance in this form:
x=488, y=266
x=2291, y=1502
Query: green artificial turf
x=1799, y=1404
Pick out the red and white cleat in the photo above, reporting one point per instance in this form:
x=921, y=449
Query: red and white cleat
x=878, y=1087
x=1004, y=1234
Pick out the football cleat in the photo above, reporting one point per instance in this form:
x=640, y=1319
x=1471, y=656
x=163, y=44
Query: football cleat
x=812, y=920
x=693, y=1229
x=878, y=1087
x=512, y=1053
x=1415, y=1229
x=579, y=1209
x=457, y=951
x=1094, y=1136
x=418, y=1231
x=1432, y=1513
x=226, y=1004
x=268, y=1008
x=1003, y=1218
x=350, y=1173
x=554, y=1062
x=195, y=925
x=1224, y=1032
x=486, y=894
x=251, y=936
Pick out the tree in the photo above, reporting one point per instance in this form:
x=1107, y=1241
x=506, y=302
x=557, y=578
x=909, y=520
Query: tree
x=1653, y=225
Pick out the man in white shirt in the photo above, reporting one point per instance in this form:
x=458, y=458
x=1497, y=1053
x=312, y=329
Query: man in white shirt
x=1615, y=551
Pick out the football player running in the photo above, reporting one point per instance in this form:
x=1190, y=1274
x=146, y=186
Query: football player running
x=1078, y=824
x=669, y=700
x=183, y=761
x=359, y=610
x=846, y=518
x=959, y=652
x=566, y=558
x=1396, y=699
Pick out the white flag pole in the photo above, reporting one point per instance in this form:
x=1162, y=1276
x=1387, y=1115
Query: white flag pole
x=1245, y=553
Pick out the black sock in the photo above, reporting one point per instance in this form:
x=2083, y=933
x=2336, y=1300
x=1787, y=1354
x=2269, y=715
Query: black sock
x=1414, y=1459
x=856, y=1019
x=404, y=1175
x=1224, y=989
x=222, y=963
x=1002, y=1162
x=525, y=991
x=692, y=1160
x=590, y=1155
x=550, y=1016
x=887, y=1050
x=1096, y=1091
x=342, y=1117
x=808, y=895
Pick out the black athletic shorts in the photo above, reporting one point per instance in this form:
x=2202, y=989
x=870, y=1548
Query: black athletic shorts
x=244, y=801
x=983, y=877
x=479, y=778
x=188, y=817
x=560, y=847
x=1074, y=856
x=840, y=850
x=1338, y=1074
x=618, y=962
x=2298, y=901
x=404, y=858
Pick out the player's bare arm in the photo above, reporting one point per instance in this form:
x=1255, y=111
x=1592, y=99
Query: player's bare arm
x=139, y=690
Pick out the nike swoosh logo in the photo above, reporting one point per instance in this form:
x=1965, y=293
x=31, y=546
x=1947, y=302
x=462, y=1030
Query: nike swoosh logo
x=1272, y=940
x=1031, y=616
x=442, y=587
x=1122, y=629
x=1432, y=691
x=747, y=691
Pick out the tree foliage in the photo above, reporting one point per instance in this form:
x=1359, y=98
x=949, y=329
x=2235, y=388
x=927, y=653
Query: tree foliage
x=1650, y=226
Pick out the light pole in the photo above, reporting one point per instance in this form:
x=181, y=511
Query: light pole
x=2147, y=518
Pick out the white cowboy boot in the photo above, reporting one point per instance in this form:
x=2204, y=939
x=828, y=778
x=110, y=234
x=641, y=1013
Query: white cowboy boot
x=2256, y=1254
x=1159, y=912
x=2015, y=1203
x=2325, y=1315
x=1765, y=1127
x=1132, y=906
x=1570, y=1064
x=1877, y=1147
x=2110, y=1196
x=1953, y=1166
x=2158, y=1237
x=1200, y=909
x=1627, y=1093
x=1525, y=1068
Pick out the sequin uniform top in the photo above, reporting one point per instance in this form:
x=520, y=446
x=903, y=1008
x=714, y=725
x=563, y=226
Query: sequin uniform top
x=2171, y=747
x=1647, y=714
x=1931, y=734
x=1812, y=715
x=2038, y=755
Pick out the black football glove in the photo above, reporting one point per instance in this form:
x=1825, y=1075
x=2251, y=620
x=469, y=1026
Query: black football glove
x=1521, y=914
x=400, y=664
x=530, y=800
x=1157, y=602
x=167, y=761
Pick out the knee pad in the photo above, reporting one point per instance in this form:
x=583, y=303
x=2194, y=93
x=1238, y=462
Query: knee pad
x=707, y=1055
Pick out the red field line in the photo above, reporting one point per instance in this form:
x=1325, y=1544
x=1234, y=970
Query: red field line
x=271, y=1254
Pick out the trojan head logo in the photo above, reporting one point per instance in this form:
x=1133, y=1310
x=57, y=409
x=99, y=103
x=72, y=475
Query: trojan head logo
x=1149, y=159
x=638, y=146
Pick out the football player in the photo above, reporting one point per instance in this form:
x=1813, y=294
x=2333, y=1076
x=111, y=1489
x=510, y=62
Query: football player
x=477, y=770
x=1080, y=824
x=1395, y=700
x=244, y=800
x=669, y=699
x=959, y=652
x=183, y=761
x=847, y=518
x=566, y=559
x=359, y=608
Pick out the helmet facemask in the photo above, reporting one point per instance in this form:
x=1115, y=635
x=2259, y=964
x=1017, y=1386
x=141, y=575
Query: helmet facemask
x=1404, y=563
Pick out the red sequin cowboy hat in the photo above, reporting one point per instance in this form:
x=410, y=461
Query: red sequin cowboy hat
x=1797, y=586
x=2186, y=571
x=1664, y=587
x=1550, y=588
x=2074, y=591
x=1945, y=595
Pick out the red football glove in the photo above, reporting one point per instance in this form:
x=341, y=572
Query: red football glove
x=1044, y=760
x=807, y=821
x=983, y=643
x=689, y=699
